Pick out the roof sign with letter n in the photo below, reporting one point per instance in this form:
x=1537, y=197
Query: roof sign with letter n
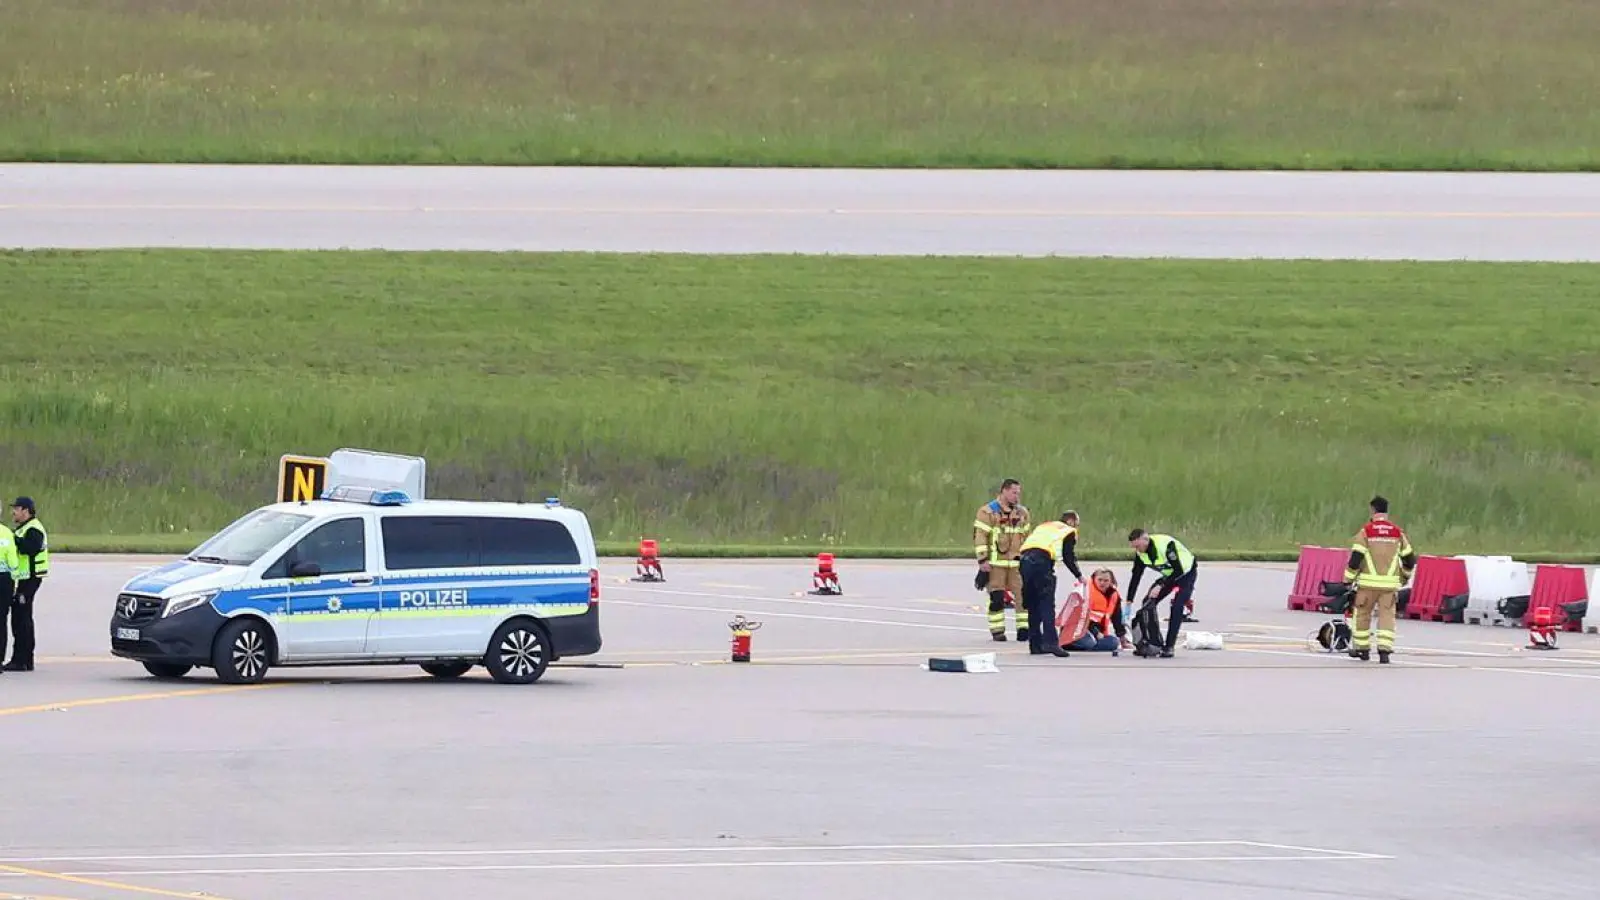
x=301, y=478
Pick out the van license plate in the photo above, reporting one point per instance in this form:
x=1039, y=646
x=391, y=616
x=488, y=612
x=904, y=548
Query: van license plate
x=127, y=634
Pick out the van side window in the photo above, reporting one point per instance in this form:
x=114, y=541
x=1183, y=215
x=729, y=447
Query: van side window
x=526, y=542
x=429, y=542
x=437, y=542
x=339, y=547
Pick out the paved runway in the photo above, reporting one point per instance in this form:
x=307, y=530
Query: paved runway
x=1125, y=214
x=833, y=766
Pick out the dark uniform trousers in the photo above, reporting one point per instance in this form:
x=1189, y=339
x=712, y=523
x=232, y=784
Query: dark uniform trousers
x=1180, y=601
x=21, y=610
x=1039, y=598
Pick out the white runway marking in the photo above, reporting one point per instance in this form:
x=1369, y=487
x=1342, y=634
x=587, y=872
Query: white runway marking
x=831, y=604
x=1097, y=856
x=727, y=610
x=621, y=851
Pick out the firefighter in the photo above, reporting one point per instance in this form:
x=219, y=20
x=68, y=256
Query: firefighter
x=1381, y=562
x=1176, y=565
x=997, y=534
x=1048, y=544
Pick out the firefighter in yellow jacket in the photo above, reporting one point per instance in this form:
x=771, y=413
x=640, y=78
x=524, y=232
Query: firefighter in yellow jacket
x=998, y=531
x=1381, y=562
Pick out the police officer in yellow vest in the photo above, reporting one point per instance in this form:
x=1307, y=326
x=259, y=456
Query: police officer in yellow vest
x=1048, y=544
x=10, y=568
x=1168, y=556
x=33, y=552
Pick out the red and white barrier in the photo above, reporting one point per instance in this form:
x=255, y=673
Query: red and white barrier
x=1316, y=565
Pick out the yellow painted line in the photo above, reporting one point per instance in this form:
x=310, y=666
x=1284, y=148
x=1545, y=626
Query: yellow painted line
x=130, y=698
x=102, y=883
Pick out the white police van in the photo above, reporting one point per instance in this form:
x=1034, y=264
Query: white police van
x=368, y=576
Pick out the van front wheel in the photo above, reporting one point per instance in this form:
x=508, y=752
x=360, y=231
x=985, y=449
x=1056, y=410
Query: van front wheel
x=242, y=652
x=518, y=653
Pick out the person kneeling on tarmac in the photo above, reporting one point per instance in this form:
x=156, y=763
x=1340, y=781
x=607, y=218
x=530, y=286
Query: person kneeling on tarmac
x=1106, y=631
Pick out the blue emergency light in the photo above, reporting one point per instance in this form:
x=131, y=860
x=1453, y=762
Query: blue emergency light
x=350, y=493
x=552, y=501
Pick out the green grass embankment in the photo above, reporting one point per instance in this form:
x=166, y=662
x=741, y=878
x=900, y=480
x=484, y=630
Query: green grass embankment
x=813, y=403
x=1409, y=84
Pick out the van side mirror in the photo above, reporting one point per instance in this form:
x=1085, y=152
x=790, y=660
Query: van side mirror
x=305, y=570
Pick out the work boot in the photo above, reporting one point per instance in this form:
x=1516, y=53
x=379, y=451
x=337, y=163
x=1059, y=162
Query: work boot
x=1362, y=655
x=1022, y=634
x=1383, y=657
x=998, y=635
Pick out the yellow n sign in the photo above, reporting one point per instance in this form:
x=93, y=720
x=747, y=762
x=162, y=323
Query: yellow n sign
x=301, y=478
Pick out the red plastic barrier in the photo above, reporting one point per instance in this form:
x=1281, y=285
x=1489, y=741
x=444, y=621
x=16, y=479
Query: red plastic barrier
x=1436, y=578
x=1317, y=564
x=1553, y=586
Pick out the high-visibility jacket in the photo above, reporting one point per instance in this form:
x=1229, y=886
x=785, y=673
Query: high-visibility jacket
x=1163, y=550
x=10, y=562
x=1105, y=610
x=1049, y=537
x=1381, y=557
x=997, y=533
x=35, y=565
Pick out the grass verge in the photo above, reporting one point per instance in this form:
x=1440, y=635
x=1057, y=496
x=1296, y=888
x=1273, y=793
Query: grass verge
x=1404, y=84
x=819, y=403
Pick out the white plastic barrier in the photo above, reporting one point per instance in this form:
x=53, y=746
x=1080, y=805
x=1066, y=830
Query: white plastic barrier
x=1491, y=579
x=1594, y=603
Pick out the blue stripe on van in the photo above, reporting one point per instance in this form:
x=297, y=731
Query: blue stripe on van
x=489, y=589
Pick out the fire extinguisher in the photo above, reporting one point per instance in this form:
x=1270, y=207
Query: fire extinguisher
x=741, y=637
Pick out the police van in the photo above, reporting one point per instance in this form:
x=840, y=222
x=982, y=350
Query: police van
x=365, y=575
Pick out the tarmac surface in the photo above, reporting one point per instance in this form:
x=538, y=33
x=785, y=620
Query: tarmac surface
x=833, y=765
x=1343, y=215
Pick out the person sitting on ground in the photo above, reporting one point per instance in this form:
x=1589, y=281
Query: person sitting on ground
x=1106, y=629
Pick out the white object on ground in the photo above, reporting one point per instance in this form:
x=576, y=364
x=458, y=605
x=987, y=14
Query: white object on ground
x=1202, y=640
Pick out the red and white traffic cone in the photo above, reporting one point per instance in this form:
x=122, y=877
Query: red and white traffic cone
x=825, y=581
x=648, y=567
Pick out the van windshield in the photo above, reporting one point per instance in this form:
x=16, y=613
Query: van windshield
x=243, y=542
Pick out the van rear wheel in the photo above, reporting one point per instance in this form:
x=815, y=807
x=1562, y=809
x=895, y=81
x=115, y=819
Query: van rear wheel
x=518, y=653
x=447, y=669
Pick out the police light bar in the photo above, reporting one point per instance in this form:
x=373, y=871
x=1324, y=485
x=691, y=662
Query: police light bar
x=354, y=493
x=552, y=502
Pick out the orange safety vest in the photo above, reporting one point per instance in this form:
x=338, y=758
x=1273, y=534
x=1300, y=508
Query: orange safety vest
x=1102, y=607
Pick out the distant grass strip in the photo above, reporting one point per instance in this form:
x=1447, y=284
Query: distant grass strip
x=1407, y=84
x=816, y=403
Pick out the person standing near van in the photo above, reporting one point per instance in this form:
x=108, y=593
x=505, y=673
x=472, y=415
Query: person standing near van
x=33, y=552
x=10, y=568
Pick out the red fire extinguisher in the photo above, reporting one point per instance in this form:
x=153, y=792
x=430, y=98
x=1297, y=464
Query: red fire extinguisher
x=741, y=637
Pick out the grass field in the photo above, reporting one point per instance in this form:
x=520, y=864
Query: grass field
x=1500, y=84
x=812, y=402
